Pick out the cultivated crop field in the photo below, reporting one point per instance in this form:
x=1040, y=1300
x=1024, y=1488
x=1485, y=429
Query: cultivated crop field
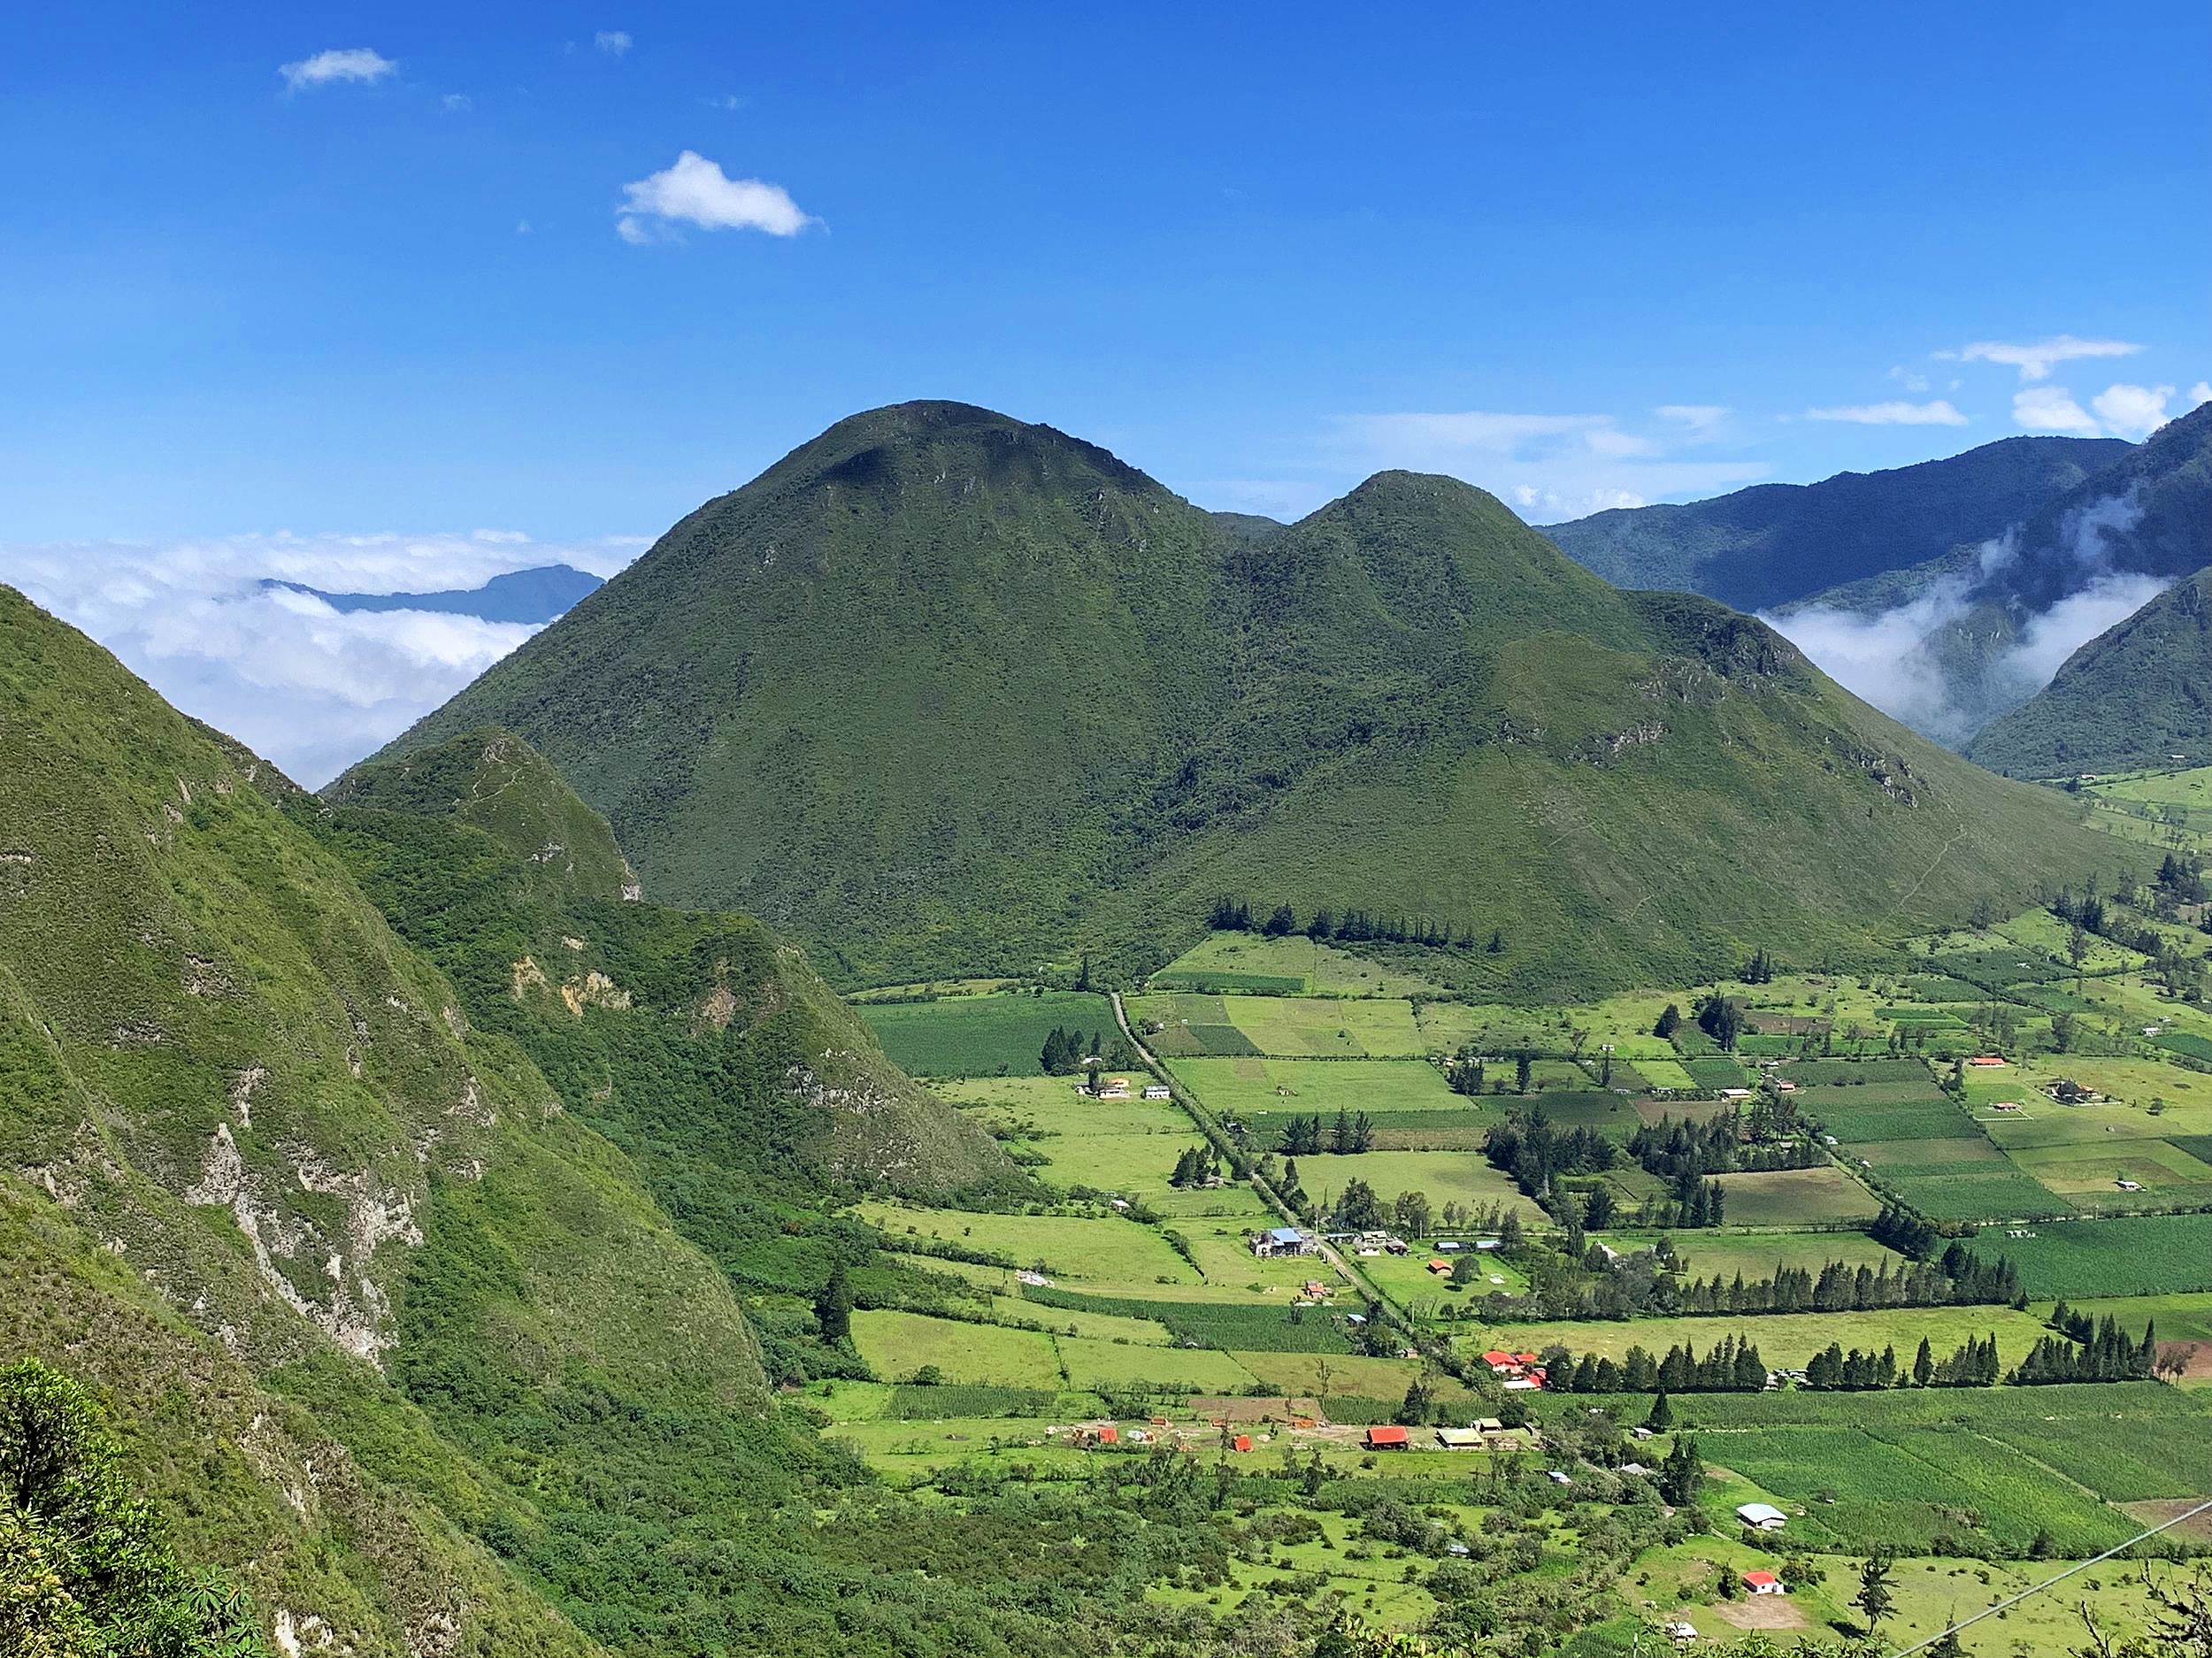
x=1070, y=1246
x=2147, y=1256
x=1285, y=966
x=1001, y=1034
x=1263, y=1092
x=1784, y=1340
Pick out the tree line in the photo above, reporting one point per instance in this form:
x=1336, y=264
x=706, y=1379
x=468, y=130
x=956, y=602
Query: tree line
x=1669, y=1148
x=1348, y=1134
x=1353, y=927
x=2084, y=1351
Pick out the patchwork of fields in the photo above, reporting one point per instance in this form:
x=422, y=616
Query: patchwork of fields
x=1118, y=1297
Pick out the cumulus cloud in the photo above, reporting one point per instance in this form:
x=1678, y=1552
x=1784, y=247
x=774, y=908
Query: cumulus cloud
x=2200, y=394
x=614, y=42
x=352, y=62
x=2052, y=409
x=1911, y=381
x=2133, y=411
x=2035, y=359
x=1549, y=466
x=1938, y=413
x=310, y=687
x=696, y=191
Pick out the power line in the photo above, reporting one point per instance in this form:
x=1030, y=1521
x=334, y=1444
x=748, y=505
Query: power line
x=2014, y=1599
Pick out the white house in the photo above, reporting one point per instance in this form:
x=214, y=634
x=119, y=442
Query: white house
x=1156, y=1091
x=1763, y=1517
x=1764, y=1583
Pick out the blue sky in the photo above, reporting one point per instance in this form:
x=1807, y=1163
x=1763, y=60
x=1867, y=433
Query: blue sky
x=1259, y=251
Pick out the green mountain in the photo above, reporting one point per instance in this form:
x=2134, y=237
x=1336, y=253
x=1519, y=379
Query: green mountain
x=1773, y=543
x=944, y=691
x=391, y=1332
x=700, y=1042
x=2136, y=695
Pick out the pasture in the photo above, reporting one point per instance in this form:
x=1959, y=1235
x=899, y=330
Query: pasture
x=1261, y=1092
x=1443, y=1175
x=1317, y=1027
x=999, y=1034
x=1251, y=962
x=1080, y=1248
x=898, y=1345
x=1817, y=1196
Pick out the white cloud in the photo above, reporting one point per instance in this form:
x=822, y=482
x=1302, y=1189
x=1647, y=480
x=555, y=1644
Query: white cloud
x=456, y=103
x=614, y=42
x=2052, y=409
x=2035, y=359
x=1938, y=413
x=311, y=688
x=696, y=191
x=1699, y=417
x=1911, y=381
x=727, y=100
x=2133, y=411
x=2200, y=394
x=354, y=62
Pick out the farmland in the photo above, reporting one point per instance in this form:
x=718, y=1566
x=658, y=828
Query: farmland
x=999, y=1033
x=1145, y=1317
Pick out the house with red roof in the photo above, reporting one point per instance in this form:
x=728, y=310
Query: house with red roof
x=1388, y=1438
x=1764, y=1583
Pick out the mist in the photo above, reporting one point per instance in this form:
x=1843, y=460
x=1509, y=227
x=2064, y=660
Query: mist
x=1886, y=657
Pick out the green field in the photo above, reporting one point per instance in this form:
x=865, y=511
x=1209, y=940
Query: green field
x=1285, y=966
x=897, y=1345
x=1261, y=1092
x=1070, y=1246
x=1796, y=1197
x=1002, y=1034
x=1757, y=1255
x=1320, y=1027
x=1461, y=1176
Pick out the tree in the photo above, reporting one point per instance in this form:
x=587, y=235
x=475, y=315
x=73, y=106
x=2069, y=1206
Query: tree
x=1280, y=923
x=1670, y=1022
x=1523, y=1067
x=834, y=1307
x=1682, y=1476
x=1661, y=1415
x=1875, y=1597
x=86, y=1569
x=1414, y=1410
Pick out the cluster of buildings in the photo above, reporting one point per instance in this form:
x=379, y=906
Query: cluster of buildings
x=1521, y=1372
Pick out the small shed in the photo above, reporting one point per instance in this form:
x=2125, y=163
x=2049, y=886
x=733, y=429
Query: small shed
x=1460, y=1439
x=1764, y=1583
x=1388, y=1438
x=1763, y=1517
x=1242, y=1442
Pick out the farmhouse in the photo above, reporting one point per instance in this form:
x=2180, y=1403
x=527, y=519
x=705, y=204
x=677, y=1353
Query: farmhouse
x=1280, y=1240
x=1390, y=1437
x=2129, y=1185
x=1113, y=1089
x=2005, y=1105
x=1986, y=1061
x=1460, y=1439
x=2066, y=1091
x=1156, y=1091
x=1763, y=1517
x=1681, y=1631
x=1440, y=1266
x=1764, y=1583
x=1240, y=1442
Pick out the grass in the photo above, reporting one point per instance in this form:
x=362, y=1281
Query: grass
x=1289, y=966
x=1001, y=1034
x=1716, y=1071
x=1114, y=1366
x=897, y=1345
x=1757, y=1255
x=1443, y=1175
x=1263, y=1092
x=1101, y=1251
x=1796, y=1197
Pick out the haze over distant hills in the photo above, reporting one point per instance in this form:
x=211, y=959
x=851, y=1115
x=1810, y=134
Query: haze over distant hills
x=1768, y=545
x=944, y=690
x=520, y=595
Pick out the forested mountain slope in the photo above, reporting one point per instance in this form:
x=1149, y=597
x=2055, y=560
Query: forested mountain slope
x=2137, y=695
x=943, y=690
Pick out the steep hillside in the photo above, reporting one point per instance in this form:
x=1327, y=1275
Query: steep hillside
x=2136, y=695
x=699, y=1041
x=941, y=690
x=1773, y=543
x=223, y=1069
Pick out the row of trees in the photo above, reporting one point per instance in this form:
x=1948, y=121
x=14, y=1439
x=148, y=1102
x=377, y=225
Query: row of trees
x=1527, y=1147
x=2084, y=1354
x=1973, y=1365
x=1353, y=927
x=1304, y=1137
x=1731, y=1367
x=1840, y=1287
x=1067, y=1051
x=1197, y=1165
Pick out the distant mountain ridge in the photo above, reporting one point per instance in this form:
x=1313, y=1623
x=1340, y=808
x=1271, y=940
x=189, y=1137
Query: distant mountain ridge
x=945, y=691
x=1773, y=543
x=520, y=595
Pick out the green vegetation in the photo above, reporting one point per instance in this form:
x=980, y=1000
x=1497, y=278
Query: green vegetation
x=995, y=1035
x=2150, y=1257
x=917, y=766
